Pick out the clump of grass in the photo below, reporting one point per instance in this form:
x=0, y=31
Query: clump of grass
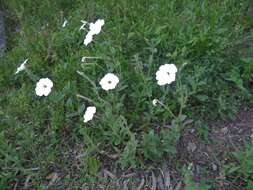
x=137, y=38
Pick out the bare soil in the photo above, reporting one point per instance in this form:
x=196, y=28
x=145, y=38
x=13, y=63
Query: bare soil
x=208, y=157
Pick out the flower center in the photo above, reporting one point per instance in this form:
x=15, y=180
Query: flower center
x=109, y=82
x=44, y=86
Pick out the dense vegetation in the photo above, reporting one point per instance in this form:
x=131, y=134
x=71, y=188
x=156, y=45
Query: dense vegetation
x=205, y=39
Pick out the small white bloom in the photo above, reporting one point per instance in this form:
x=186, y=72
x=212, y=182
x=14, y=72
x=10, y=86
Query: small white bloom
x=164, y=78
x=83, y=25
x=155, y=101
x=89, y=114
x=43, y=87
x=64, y=23
x=85, y=58
x=109, y=81
x=88, y=38
x=166, y=74
x=21, y=67
x=95, y=28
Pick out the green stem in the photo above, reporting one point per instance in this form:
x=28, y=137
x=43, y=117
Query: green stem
x=167, y=108
x=32, y=76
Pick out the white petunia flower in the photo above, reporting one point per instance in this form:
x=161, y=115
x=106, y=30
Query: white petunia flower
x=109, y=81
x=21, y=67
x=83, y=25
x=89, y=114
x=166, y=74
x=95, y=28
x=43, y=87
x=88, y=38
x=64, y=23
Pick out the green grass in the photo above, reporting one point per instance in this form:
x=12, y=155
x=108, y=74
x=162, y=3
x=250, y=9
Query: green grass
x=138, y=36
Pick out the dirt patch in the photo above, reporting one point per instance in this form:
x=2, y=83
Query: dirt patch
x=208, y=157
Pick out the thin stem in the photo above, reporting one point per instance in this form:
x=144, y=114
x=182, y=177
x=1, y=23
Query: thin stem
x=32, y=76
x=167, y=108
x=93, y=84
x=85, y=98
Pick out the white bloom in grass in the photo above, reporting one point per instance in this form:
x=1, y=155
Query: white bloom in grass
x=89, y=114
x=64, y=23
x=21, y=67
x=85, y=58
x=88, y=39
x=83, y=25
x=95, y=28
x=109, y=81
x=155, y=102
x=43, y=87
x=166, y=74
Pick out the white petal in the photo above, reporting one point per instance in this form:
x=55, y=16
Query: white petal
x=169, y=68
x=87, y=118
x=95, y=28
x=89, y=113
x=88, y=39
x=91, y=109
x=21, y=67
x=39, y=91
x=100, y=22
x=45, y=82
x=171, y=78
x=161, y=82
x=46, y=91
x=64, y=23
x=155, y=101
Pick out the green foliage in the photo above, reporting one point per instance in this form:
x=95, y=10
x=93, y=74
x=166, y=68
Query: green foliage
x=189, y=183
x=243, y=168
x=247, y=66
x=129, y=154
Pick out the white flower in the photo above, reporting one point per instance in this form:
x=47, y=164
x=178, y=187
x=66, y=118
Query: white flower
x=155, y=101
x=89, y=113
x=88, y=38
x=43, y=87
x=64, y=23
x=109, y=81
x=166, y=74
x=83, y=25
x=21, y=67
x=95, y=28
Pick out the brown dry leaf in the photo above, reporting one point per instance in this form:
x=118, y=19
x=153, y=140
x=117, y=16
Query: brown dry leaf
x=125, y=185
x=167, y=180
x=161, y=184
x=141, y=184
x=153, y=181
x=27, y=181
x=110, y=174
x=52, y=178
x=191, y=147
x=179, y=185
